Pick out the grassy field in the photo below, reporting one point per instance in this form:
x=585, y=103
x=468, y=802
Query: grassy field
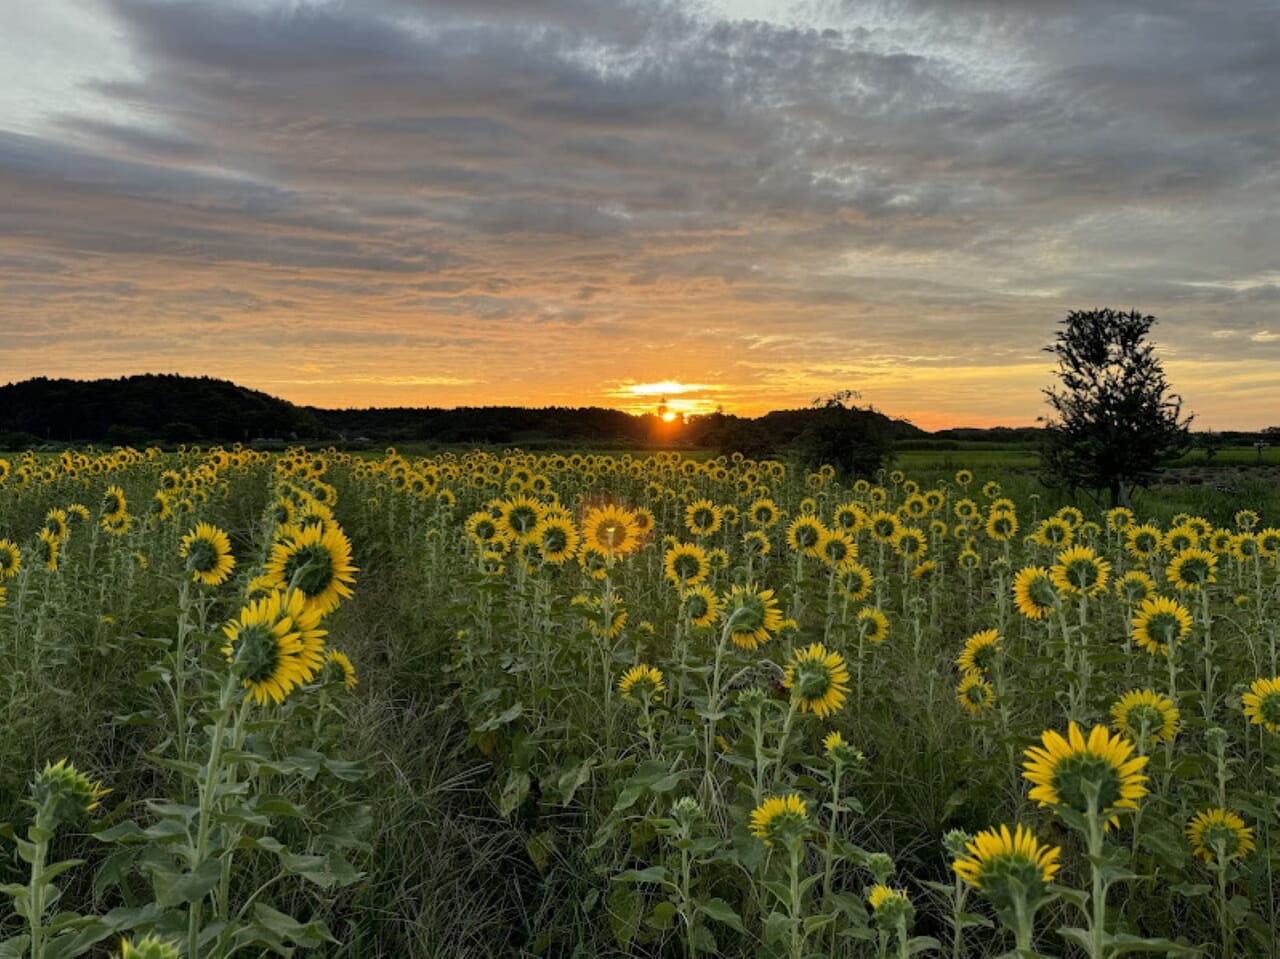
x=487, y=704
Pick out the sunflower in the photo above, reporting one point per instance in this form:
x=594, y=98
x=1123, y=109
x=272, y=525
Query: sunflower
x=317, y=562
x=840, y=752
x=557, y=538
x=520, y=517
x=755, y=543
x=10, y=559
x=1001, y=526
x=701, y=605
x=1135, y=586
x=980, y=651
x=641, y=684
x=1244, y=547
x=1143, y=542
x=818, y=680
x=916, y=506
x=64, y=794
x=1060, y=768
x=611, y=530
x=1160, y=623
x=208, y=554
x=1055, y=532
x=849, y=517
x=1192, y=568
x=149, y=947
x=1120, y=518
x=1034, y=593
x=1181, y=538
x=963, y=478
x=1269, y=542
x=114, y=504
x=685, y=564
x=47, y=548
x=338, y=669
x=275, y=644
x=1219, y=834
x=1220, y=541
x=1146, y=717
x=55, y=521
x=1262, y=703
x=1079, y=572
x=884, y=526
x=890, y=908
x=910, y=543
x=482, y=528
x=968, y=558
x=752, y=616
x=835, y=548
x=872, y=625
x=966, y=510
x=1246, y=519
x=780, y=820
x=703, y=518
x=1007, y=866
x=975, y=693
x=804, y=534
x=853, y=580
x=763, y=513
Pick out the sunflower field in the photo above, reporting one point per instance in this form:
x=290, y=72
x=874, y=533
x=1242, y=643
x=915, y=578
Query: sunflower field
x=506, y=704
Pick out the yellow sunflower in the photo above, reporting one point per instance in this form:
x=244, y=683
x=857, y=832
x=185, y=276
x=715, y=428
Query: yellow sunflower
x=1192, y=568
x=763, y=513
x=1262, y=703
x=611, y=530
x=1006, y=865
x=1001, y=526
x=818, y=680
x=1160, y=623
x=974, y=693
x=685, y=564
x=701, y=605
x=1146, y=717
x=1065, y=771
x=1143, y=542
x=316, y=561
x=207, y=551
x=338, y=669
x=10, y=559
x=804, y=534
x=780, y=820
x=557, y=538
x=641, y=683
x=275, y=644
x=1034, y=593
x=1219, y=834
x=752, y=616
x=835, y=547
x=980, y=651
x=1080, y=572
x=872, y=625
x=1135, y=586
x=114, y=504
x=702, y=517
x=853, y=580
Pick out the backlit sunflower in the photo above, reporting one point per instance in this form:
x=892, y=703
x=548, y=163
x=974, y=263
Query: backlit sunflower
x=1269, y=542
x=966, y=510
x=338, y=669
x=1143, y=542
x=1007, y=866
x=853, y=580
x=980, y=651
x=780, y=820
x=1262, y=703
x=910, y=542
x=208, y=554
x=612, y=530
x=1146, y=717
x=685, y=564
x=755, y=543
x=1135, y=586
x=835, y=547
x=1244, y=547
x=884, y=526
x=1034, y=593
x=1054, y=532
x=47, y=548
x=1160, y=623
x=872, y=625
x=1059, y=769
x=640, y=684
x=55, y=521
x=804, y=534
x=763, y=513
x=317, y=562
x=975, y=693
x=519, y=518
x=1192, y=568
x=482, y=528
x=849, y=517
x=752, y=615
x=702, y=517
x=149, y=947
x=1001, y=525
x=275, y=644
x=1219, y=834
x=1079, y=572
x=968, y=558
x=701, y=605
x=10, y=559
x=1119, y=518
x=557, y=539
x=1180, y=538
x=818, y=680
x=114, y=504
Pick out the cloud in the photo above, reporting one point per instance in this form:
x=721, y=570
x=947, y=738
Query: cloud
x=642, y=191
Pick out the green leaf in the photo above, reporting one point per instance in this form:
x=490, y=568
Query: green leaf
x=173, y=888
x=1122, y=942
x=314, y=933
x=819, y=921
x=651, y=874
x=777, y=928
x=662, y=916
x=14, y=947
x=504, y=718
x=919, y=944
x=626, y=908
x=721, y=911
x=325, y=871
x=52, y=872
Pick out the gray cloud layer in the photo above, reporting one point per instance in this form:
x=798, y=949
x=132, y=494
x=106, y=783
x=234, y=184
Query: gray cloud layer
x=925, y=178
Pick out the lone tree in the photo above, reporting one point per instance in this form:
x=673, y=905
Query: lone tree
x=1116, y=420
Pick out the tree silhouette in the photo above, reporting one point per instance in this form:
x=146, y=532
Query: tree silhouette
x=1116, y=419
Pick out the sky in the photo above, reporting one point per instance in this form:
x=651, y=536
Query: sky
x=727, y=203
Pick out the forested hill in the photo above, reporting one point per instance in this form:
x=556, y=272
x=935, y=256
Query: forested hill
x=137, y=410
